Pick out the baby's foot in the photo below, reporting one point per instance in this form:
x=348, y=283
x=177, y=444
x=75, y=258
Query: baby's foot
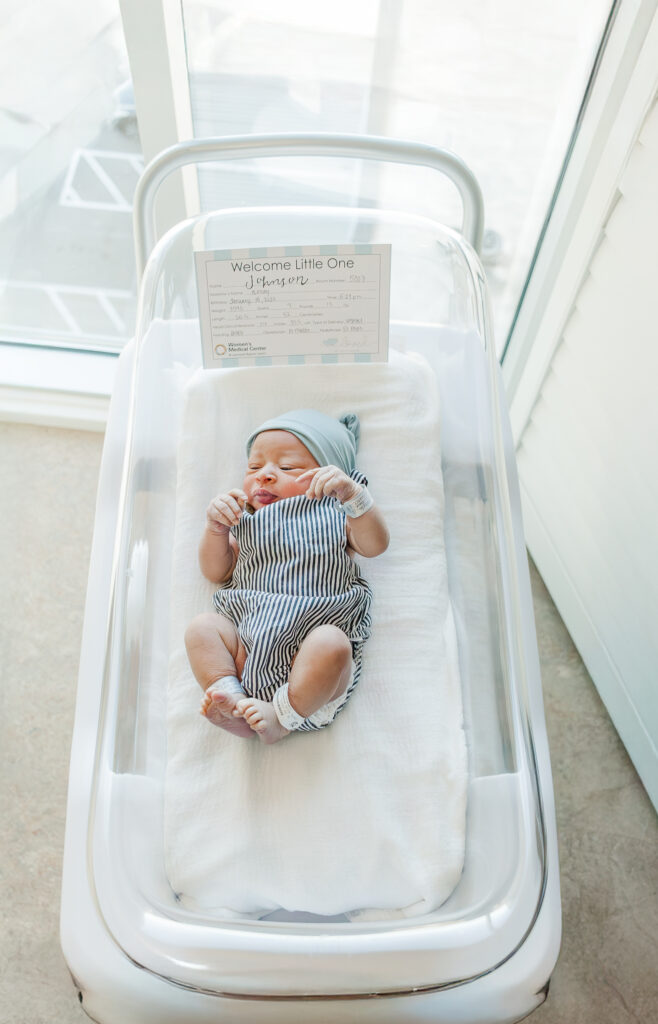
x=218, y=708
x=261, y=717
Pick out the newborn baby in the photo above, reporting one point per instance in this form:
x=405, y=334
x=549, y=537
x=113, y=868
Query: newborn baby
x=283, y=650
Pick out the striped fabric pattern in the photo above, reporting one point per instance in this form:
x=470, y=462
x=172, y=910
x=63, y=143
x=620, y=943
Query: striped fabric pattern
x=293, y=574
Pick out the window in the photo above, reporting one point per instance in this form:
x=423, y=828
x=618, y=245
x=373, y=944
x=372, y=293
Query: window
x=70, y=160
x=499, y=83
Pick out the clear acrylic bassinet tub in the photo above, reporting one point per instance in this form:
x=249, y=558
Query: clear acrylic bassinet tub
x=137, y=955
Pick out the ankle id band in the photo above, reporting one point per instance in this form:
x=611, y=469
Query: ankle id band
x=284, y=710
x=227, y=684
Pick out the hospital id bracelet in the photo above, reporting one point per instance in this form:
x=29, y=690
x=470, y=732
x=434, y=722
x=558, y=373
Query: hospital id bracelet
x=227, y=684
x=359, y=505
x=284, y=710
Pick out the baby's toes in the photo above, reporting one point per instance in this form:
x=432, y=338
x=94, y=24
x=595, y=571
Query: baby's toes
x=258, y=720
x=255, y=719
x=253, y=715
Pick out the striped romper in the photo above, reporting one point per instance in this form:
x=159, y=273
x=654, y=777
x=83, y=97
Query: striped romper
x=294, y=573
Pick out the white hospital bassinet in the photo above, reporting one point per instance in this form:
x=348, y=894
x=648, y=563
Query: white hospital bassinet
x=137, y=954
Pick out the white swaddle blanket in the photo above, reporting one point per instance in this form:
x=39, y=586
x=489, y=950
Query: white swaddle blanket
x=369, y=813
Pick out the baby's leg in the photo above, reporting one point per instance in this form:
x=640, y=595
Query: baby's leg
x=321, y=670
x=215, y=653
x=320, y=673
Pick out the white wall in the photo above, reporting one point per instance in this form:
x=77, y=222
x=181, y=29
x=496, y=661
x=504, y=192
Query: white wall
x=586, y=422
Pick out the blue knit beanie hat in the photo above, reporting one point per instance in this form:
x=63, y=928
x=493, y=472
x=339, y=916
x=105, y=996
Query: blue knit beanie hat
x=330, y=441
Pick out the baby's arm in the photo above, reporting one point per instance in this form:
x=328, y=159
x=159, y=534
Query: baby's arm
x=218, y=550
x=367, y=534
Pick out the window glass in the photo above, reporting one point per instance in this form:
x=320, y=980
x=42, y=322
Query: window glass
x=69, y=161
x=499, y=82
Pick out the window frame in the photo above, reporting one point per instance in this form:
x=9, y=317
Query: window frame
x=51, y=384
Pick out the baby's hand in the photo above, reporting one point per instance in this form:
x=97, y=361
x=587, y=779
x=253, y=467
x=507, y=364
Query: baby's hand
x=225, y=510
x=329, y=481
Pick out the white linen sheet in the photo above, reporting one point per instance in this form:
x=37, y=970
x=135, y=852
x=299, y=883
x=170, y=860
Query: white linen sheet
x=367, y=815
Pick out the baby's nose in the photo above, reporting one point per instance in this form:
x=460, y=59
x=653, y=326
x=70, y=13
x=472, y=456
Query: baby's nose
x=267, y=473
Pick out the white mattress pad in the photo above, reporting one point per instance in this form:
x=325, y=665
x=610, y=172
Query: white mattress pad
x=367, y=815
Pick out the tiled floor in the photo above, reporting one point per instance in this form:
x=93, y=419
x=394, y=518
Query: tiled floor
x=607, y=827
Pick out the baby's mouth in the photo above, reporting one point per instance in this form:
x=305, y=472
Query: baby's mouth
x=264, y=497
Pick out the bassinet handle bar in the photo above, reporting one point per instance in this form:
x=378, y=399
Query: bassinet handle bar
x=360, y=147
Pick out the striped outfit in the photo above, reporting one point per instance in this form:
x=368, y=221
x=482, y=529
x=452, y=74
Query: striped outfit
x=293, y=574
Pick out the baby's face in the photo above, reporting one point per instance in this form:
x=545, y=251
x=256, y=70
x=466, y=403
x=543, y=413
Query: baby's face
x=276, y=459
